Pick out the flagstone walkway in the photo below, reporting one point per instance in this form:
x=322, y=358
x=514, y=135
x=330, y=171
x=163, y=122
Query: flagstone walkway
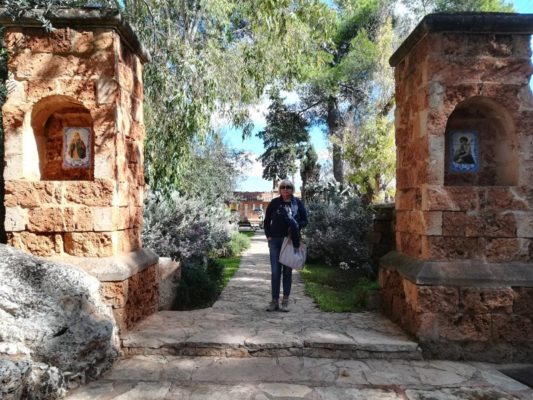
x=236, y=350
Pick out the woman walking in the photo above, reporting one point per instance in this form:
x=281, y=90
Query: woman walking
x=284, y=215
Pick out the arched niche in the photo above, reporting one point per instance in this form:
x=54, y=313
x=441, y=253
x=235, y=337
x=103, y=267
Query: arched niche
x=63, y=131
x=480, y=145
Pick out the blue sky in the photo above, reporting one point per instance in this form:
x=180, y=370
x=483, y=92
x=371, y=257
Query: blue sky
x=253, y=145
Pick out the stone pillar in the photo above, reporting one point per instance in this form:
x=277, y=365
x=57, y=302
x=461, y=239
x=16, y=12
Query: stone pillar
x=461, y=280
x=73, y=123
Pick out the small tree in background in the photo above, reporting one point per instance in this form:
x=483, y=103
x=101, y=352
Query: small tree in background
x=309, y=171
x=284, y=139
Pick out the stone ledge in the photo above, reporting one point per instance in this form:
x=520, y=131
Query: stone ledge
x=469, y=22
x=86, y=18
x=113, y=269
x=475, y=273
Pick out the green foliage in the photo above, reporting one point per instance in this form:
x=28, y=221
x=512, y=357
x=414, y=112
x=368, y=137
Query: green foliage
x=211, y=173
x=338, y=234
x=199, y=286
x=185, y=229
x=231, y=265
x=473, y=5
x=283, y=138
x=239, y=242
x=309, y=171
x=337, y=290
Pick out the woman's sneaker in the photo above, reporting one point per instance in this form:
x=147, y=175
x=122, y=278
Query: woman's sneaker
x=285, y=305
x=273, y=306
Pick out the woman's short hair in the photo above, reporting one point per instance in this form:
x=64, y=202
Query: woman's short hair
x=285, y=182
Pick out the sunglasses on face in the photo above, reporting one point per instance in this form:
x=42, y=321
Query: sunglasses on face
x=285, y=187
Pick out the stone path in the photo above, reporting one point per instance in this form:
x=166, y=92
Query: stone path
x=305, y=354
x=238, y=326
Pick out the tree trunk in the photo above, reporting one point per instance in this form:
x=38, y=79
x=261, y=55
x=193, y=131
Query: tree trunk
x=335, y=130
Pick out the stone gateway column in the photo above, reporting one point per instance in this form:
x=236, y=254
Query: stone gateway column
x=73, y=124
x=461, y=280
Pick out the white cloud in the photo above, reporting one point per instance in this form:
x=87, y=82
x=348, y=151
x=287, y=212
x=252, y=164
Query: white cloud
x=253, y=168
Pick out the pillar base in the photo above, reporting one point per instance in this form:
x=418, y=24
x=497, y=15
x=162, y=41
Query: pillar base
x=129, y=283
x=461, y=310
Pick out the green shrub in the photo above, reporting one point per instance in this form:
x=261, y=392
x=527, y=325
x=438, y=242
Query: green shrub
x=199, y=285
x=338, y=234
x=238, y=243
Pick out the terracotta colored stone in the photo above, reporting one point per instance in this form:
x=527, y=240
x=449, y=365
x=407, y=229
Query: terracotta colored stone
x=437, y=299
x=506, y=198
x=13, y=116
x=105, y=219
x=14, y=39
x=487, y=300
x=51, y=219
x=83, y=219
x=454, y=248
x=472, y=327
x=449, y=198
x=510, y=328
x=97, y=193
x=115, y=293
x=83, y=42
x=37, y=89
x=409, y=199
x=83, y=90
x=42, y=245
x=104, y=39
x=89, y=244
x=522, y=300
x=31, y=194
x=501, y=250
x=409, y=244
x=56, y=41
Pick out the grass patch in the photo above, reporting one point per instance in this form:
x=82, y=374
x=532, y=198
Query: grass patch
x=248, y=233
x=337, y=290
x=231, y=265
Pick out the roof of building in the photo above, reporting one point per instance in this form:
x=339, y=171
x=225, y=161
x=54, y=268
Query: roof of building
x=86, y=17
x=468, y=23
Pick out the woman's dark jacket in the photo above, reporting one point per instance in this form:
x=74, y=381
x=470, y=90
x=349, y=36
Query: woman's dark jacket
x=278, y=220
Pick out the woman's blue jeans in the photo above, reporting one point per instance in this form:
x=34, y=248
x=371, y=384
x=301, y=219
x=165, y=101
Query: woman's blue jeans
x=277, y=269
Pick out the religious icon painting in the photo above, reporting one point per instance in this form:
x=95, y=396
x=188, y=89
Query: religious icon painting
x=77, y=147
x=464, y=155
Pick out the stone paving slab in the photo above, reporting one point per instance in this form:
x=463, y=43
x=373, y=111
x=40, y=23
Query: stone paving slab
x=238, y=325
x=174, y=377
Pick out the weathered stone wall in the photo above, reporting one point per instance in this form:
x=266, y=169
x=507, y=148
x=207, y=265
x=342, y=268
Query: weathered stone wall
x=462, y=277
x=448, y=222
x=462, y=322
x=134, y=298
x=73, y=76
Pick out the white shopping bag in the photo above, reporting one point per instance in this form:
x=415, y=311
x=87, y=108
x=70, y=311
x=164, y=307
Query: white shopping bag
x=291, y=257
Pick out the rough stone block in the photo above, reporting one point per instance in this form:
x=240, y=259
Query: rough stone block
x=42, y=245
x=38, y=40
x=38, y=88
x=83, y=42
x=115, y=293
x=83, y=90
x=89, y=193
x=486, y=300
x=105, y=219
x=104, y=39
x=125, y=77
x=437, y=299
x=464, y=327
x=31, y=194
x=522, y=300
x=89, y=244
x=436, y=198
x=16, y=219
x=453, y=248
x=512, y=328
x=502, y=250
x=51, y=219
x=106, y=90
x=83, y=218
x=409, y=243
x=506, y=198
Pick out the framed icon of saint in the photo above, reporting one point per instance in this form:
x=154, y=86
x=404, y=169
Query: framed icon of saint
x=464, y=155
x=77, y=147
